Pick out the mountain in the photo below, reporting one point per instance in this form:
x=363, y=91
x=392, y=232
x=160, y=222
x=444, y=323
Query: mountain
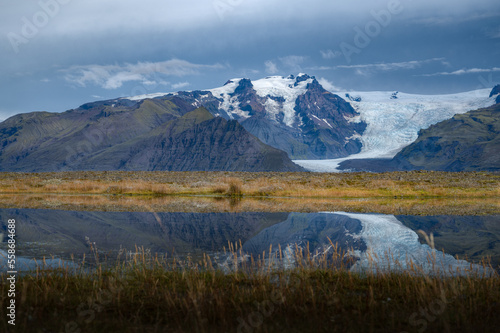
x=197, y=141
x=294, y=114
x=245, y=125
x=151, y=134
x=496, y=92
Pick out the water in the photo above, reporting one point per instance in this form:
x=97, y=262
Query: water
x=392, y=241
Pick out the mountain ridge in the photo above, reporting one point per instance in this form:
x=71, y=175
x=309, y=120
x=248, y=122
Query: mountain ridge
x=322, y=131
x=144, y=135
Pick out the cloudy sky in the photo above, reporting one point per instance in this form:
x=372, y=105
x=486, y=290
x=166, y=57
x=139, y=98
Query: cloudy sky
x=58, y=54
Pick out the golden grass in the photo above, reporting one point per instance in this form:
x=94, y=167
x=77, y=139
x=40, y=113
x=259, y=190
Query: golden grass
x=312, y=185
x=169, y=203
x=142, y=292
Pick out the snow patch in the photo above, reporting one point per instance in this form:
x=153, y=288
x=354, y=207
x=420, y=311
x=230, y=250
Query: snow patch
x=148, y=96
x=287, y=88
x=229, y=104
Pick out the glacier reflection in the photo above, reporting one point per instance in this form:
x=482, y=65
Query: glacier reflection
x=377, y=242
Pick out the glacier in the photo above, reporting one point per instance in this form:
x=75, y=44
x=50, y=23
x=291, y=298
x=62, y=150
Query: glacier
x=394, y=120
x=390, y=246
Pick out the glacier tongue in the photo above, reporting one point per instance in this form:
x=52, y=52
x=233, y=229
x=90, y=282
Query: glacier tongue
x=394, y=119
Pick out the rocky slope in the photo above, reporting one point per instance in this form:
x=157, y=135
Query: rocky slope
x=496, y=92
x=150, y=134
x=196, y=141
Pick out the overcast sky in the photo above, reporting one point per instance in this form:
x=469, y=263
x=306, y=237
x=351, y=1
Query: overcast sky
x=58, y=54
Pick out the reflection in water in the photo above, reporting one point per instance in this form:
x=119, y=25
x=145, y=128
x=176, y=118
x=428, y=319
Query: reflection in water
x=385, y=240
x=27, y=264
x=392, y=246
x=378, y=242
x=62, y=233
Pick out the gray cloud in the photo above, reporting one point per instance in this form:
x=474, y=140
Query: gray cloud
x=328, y=85
x=364, y=69
x=147, y=73
x=456, y=19
x=329, y=54
x=393, y=65
x=293, y=62
x=180, y=85
x=118, y=47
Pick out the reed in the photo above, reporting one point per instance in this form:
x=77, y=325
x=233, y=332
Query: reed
x=141, y=291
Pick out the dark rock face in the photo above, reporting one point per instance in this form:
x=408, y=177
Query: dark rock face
x=248, y=99
x=495, y=91
x=327, y=129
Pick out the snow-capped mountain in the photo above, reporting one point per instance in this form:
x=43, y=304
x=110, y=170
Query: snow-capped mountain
x=295, y=114
x=320, y=129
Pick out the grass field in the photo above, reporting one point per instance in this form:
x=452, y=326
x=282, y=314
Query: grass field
x=331, y=185
x=413, y=192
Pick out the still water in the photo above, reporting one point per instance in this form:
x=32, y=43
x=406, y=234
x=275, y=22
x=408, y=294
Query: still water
x=391, y=241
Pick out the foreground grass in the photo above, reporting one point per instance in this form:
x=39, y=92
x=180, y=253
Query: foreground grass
x=146, y=295
x=312, y=185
